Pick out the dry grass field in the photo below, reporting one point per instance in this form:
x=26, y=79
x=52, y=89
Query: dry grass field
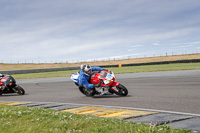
x=5, y=67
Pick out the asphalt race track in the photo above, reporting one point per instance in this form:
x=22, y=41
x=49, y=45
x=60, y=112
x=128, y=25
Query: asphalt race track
x=177, y=91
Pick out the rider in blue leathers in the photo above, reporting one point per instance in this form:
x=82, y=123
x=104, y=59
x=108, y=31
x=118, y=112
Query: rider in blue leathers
x=84, y=77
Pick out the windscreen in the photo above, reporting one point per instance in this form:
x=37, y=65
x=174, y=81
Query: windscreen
x=10, y=79
x=104, y=74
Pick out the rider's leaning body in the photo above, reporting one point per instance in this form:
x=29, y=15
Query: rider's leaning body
x=85, y=74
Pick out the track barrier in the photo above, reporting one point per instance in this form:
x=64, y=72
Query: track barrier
x=105, y=66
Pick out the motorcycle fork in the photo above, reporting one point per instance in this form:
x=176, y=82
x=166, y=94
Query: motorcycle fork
x=114, y=88
x=11, y=88
x=4, y=87
x=14, y=88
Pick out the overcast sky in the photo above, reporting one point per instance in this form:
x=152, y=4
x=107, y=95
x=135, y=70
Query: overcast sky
x=65, y=30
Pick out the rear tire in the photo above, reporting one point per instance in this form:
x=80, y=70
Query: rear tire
x=122, y=91
x=88, y=92
x=76, y=84
x=81, y=89
x=20, y=90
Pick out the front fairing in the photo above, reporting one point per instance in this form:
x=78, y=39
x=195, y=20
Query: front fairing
x=3, y=80
x=95, y=78
x=10, y=80
x=107, y=77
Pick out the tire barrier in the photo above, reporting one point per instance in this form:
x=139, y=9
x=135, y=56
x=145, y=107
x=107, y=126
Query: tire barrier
x=164, y=62
x=154, y=63
x=38, y=70
x=104, y=66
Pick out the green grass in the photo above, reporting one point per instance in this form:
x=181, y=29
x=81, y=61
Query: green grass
x=133, y=69
x=38, y=120
x=153, y=68
x=34, y=120
x=44, y=74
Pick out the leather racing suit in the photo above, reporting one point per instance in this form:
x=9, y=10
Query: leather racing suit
x=84, y=79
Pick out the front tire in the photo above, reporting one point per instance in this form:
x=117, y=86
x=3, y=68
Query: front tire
x=20, y=90
x=122, y=90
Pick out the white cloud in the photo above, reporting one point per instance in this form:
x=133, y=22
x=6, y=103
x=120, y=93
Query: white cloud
x=185, y=46
x=156, y=44
x=130, y=50
x=64, y=29
x=136, y=46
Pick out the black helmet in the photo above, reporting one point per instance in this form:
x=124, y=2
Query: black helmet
x=87, y=69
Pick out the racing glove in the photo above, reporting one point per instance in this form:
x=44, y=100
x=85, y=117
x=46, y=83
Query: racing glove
x=105, y=69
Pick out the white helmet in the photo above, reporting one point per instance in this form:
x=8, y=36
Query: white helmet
x=87, y=69
x=82, y=66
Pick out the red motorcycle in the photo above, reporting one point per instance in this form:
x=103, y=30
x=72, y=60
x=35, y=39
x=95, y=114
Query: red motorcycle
x=8, y=85
x=108, y=86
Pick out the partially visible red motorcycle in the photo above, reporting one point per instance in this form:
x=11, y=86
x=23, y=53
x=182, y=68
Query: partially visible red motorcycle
x=8, y=85
x=108, y=85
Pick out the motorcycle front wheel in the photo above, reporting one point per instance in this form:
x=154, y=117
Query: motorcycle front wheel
x=122, y=90
x=20, y=90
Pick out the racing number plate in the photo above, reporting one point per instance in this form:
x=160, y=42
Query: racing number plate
x=109, y=76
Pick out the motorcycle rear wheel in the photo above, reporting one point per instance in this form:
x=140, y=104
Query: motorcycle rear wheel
x=20, y=90
x=122, y=90
x=88, y=92
x=76, y=84
x=81, y=89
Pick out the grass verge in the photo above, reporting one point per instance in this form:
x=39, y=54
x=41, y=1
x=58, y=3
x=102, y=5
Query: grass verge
x=33, y=120
x=9, y=67
x=133, y=69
